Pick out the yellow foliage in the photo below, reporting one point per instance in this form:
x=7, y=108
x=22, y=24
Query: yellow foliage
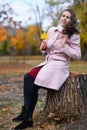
x=18, y=41
x=81, y=12
x=23, y=39
x=32, y=35
x=20, y=45
x=21, y=34
x=3, y=34
x=13, y=41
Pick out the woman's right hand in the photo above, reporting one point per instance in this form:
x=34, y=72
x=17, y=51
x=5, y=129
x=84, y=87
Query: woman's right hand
x=43, y=45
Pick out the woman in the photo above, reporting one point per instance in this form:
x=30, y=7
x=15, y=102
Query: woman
x=63, y=43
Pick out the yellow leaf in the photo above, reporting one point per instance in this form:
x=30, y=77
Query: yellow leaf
x=44, y=36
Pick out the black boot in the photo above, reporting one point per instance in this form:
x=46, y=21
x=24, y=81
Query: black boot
x=23, y=115
x=24, y=125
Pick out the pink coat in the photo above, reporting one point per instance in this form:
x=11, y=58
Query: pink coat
x=55, y=68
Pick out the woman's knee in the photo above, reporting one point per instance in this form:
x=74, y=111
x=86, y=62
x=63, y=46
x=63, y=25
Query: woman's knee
x=28, y=77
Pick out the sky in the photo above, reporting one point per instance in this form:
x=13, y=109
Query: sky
x=24, y=10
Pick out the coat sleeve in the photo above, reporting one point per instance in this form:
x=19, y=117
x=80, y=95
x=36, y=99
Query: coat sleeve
x=72, y=49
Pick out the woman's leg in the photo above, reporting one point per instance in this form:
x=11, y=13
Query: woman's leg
x=30, y=94
x=30, y=100
x=30, y=89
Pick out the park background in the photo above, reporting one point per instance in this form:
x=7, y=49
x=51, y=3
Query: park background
x=21, y=23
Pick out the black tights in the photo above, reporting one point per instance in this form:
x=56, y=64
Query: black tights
x=30, y=92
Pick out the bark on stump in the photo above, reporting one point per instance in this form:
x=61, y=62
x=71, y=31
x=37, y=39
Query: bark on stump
x=68, y=102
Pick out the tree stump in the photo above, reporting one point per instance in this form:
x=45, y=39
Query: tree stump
x=68, y=102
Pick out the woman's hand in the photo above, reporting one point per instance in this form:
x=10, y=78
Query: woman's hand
x=43, y=45
x=64, y=38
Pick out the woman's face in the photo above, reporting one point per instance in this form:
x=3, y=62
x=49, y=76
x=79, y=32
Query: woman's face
x=65, y=18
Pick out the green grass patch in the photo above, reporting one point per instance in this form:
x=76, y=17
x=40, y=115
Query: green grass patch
x=19, y=64
x=78, y=66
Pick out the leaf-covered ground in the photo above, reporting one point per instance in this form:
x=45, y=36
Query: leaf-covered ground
x=11, y=100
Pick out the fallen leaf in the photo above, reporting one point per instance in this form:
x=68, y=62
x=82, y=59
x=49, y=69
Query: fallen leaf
x=3, y=88
x=1, y=117
x=6, y=108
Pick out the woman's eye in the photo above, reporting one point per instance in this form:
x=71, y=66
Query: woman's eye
x=68, y=17
x=63, y=15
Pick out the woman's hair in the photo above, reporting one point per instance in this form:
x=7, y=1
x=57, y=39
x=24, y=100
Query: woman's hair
x=71, y=27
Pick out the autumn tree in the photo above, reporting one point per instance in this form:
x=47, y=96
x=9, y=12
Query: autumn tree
x=21, y=39
x=18, y=41
x=3, y=34
x=3, y=40
x=80, y=7
x=7, y=26
x=33, y=39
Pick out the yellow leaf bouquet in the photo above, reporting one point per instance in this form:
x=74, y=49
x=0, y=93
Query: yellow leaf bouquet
x=44, y=36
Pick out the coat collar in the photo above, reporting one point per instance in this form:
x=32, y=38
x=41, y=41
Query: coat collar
x=59, y=28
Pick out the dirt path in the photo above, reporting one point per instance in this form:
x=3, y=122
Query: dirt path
x=11, y=100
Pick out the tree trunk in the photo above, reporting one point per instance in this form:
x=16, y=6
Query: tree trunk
x=68, y=102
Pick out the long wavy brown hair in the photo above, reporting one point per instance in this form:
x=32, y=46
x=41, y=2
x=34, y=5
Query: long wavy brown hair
x=71, y=27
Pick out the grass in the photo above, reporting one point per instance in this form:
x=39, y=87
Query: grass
x=17, y=65
x=78, y=66
x=20, y=65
